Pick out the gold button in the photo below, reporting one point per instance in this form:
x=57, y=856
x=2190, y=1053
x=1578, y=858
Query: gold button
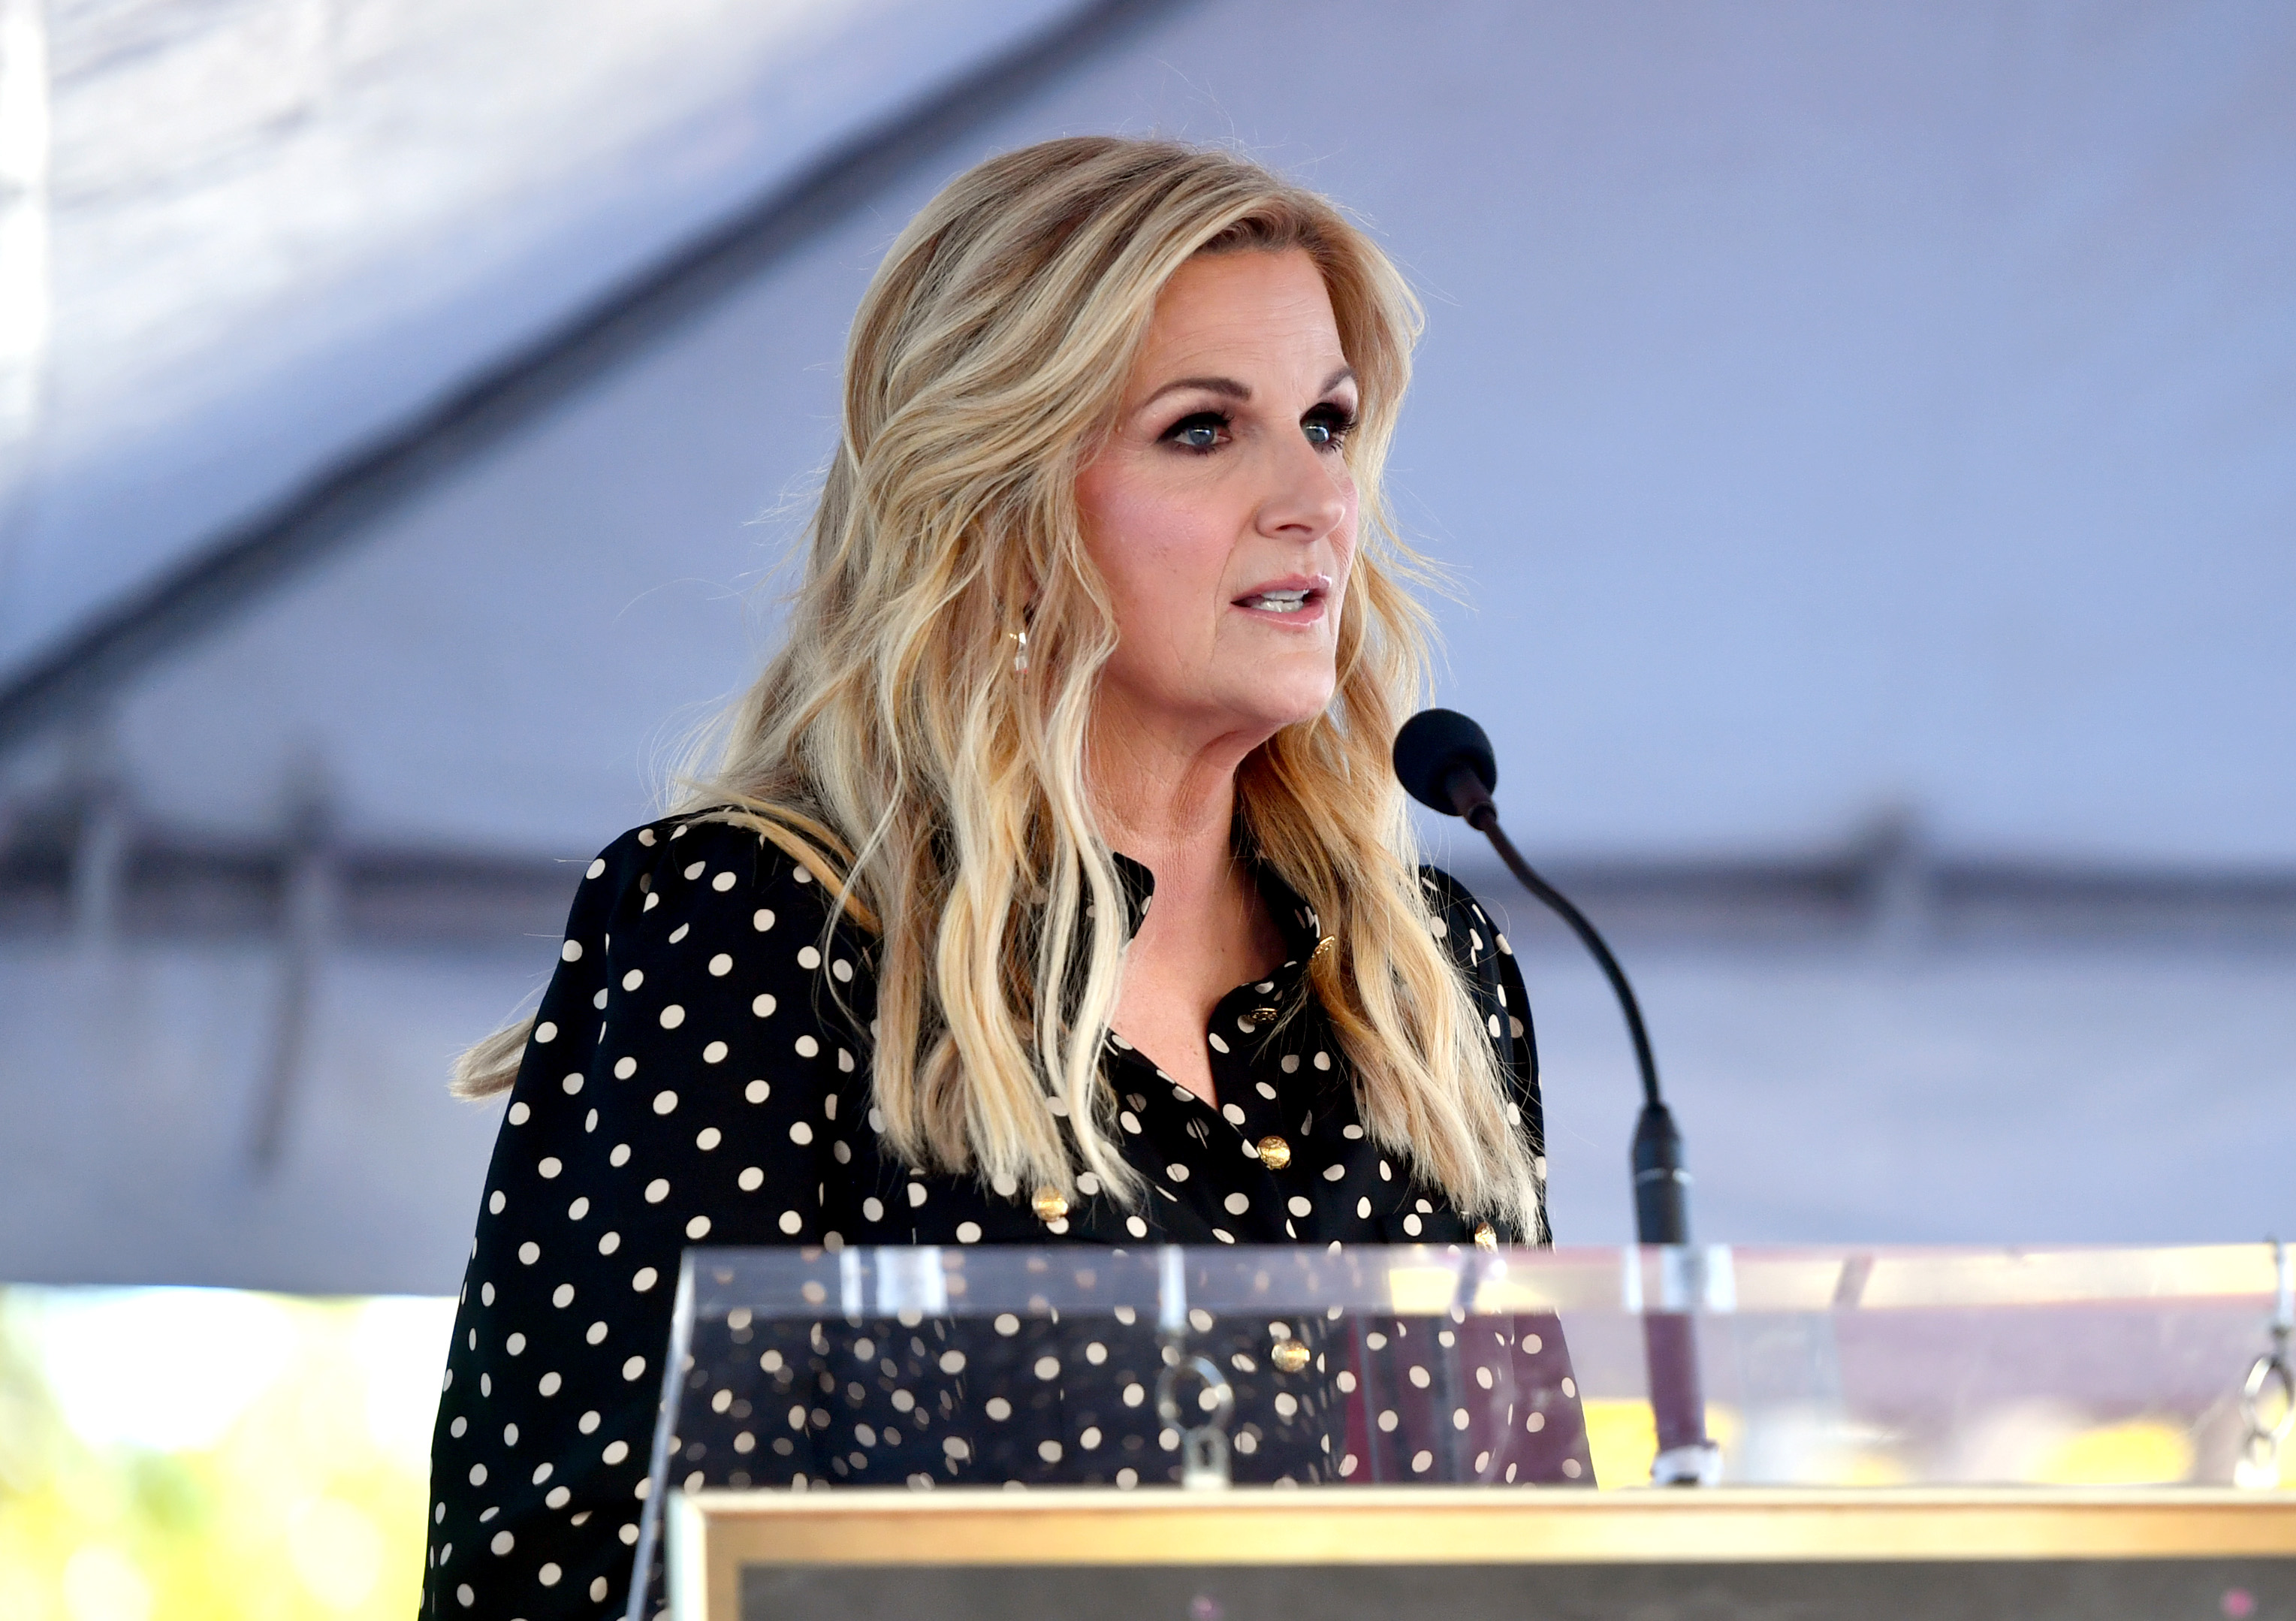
x=1289, y=1354
x=1274, y=1153
x=1266, y=1015
x=1487, y=1236
x=1051, y=1206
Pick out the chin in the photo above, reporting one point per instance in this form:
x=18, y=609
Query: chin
x=1273, y=711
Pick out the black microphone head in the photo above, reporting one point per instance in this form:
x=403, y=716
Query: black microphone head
x=1433, y=744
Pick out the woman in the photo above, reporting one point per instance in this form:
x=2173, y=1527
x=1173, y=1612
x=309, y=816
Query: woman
x=1100, y=610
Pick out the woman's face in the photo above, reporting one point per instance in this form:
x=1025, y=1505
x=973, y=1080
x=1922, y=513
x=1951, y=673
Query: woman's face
x=1221, y=511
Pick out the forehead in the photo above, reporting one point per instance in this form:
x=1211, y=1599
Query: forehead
x=1225, y=312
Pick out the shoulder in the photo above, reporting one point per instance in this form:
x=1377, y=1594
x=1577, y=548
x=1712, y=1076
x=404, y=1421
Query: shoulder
x=686, y=899
x=698, y=947
x=701, y=861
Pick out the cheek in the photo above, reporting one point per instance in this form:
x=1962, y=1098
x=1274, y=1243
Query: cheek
x=1162, y=551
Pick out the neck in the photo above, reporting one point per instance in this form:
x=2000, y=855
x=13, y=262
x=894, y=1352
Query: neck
x=1170, y=803
x=1167, y=802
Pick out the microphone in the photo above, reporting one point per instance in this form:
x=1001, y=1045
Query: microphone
x=1445, y=761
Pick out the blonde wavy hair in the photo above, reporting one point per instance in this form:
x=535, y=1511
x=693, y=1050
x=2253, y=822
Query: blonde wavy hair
x=891, y=748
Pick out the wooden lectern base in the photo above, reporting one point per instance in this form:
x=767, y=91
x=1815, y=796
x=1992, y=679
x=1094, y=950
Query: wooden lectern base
x=1468, y=1554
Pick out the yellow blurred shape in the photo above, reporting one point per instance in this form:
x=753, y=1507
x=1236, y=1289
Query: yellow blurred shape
x=1874, y=1468
x=304, y=1501
x=1622, y=1437
x=337, y=1553
x=2139, y=1452
x=1421, y=1291
x=101, y=1584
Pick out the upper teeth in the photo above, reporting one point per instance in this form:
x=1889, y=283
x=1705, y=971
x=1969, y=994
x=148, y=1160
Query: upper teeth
x=1281, y=602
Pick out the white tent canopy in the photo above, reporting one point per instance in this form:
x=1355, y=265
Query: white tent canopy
x=274, y=230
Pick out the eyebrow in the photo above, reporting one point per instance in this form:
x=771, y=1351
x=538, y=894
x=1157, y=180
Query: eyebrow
x=1231, y=389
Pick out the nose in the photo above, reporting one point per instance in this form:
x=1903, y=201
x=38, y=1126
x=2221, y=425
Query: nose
x=1309, y=492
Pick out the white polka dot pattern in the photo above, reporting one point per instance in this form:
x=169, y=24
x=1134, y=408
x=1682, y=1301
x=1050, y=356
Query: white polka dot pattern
x=701, y=1085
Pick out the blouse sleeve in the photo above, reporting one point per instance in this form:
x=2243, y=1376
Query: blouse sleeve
x=1496, y=980
x=1532, y=1357
x=687, y=1042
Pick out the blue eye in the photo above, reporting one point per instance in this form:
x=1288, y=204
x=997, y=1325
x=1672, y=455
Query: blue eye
x=1326, y=427
x=1200, y=432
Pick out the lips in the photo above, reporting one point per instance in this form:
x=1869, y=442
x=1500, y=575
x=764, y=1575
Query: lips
x=1297, y=597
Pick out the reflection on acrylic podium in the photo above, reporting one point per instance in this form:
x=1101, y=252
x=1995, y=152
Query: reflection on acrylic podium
x=1209, y=1435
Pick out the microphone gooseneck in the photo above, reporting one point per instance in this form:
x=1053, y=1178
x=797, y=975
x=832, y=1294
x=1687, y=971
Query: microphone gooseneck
x=1445, y=761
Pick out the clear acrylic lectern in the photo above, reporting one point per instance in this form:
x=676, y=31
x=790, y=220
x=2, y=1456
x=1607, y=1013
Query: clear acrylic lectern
x=844, y=1430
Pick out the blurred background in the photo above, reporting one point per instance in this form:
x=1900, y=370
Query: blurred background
x=1865, y=439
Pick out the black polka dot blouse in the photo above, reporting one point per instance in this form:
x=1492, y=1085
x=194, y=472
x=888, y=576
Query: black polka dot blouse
x=698, y=1074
